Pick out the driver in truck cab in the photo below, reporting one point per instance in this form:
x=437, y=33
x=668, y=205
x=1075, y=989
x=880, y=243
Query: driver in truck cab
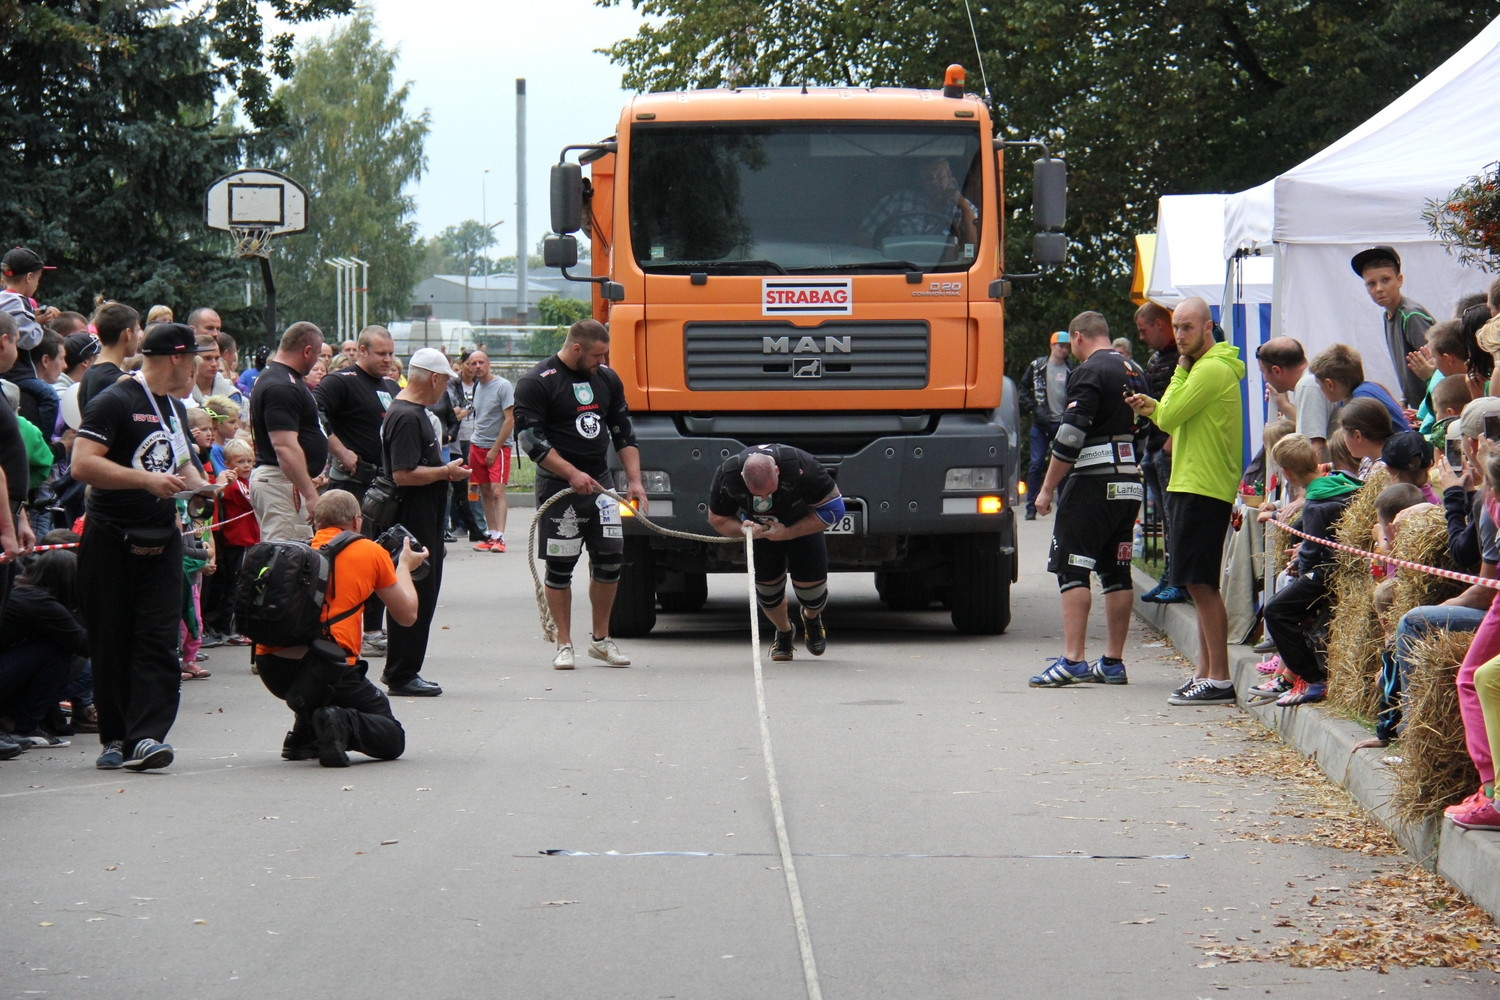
x=932, y=206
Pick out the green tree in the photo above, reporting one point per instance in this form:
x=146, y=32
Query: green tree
x=354, y=147
x=457, y=249
x=558, y=313
x=1143, y=97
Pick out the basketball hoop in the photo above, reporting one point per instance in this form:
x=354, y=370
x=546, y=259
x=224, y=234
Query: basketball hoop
x=254, y=207
x=251, y=241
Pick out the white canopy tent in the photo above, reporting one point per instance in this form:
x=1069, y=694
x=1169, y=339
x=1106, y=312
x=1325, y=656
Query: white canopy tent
x=1188, y=263
x=1371, y=187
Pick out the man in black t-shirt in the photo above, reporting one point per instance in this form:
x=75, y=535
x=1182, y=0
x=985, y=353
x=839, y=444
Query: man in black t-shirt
x=413, y=448
x=119, y=329
x=290, y=448
x=791, y=500
x=133, y=449
x=564, y=407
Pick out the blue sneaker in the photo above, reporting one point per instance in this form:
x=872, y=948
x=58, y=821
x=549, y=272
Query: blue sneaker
x=113, y=756
x=1106, y=673
x=1170, y=595
x=1151, y=595
x=148, y=755
x=1060, y=673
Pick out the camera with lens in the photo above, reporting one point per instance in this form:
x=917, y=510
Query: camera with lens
x=391, y=540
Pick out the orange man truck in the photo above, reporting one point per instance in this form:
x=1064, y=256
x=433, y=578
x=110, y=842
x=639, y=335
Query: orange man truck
x=821, y=268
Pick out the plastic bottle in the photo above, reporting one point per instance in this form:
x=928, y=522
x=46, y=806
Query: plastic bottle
x=473, y=492
x=1138, y=541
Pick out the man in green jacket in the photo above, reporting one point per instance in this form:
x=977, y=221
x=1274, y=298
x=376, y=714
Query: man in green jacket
x=1202, y=411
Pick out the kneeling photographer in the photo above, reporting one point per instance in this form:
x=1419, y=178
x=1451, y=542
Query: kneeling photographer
x=337, y=708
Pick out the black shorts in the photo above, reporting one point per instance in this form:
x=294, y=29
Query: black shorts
x=576, y=521
x=1094, y=524
x=1196, y=541
x=806, y=558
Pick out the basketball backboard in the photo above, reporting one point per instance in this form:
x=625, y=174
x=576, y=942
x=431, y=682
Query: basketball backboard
x=255, y=205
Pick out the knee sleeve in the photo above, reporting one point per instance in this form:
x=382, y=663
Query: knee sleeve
x=607, y=571
x=1072, y=576
x=811, y=596
x=768, y=595
x=560, y=573
x=1116, y=579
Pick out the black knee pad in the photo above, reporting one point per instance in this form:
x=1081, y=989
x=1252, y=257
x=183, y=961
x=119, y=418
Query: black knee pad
x=1071, y=577
x=605, y=572
x=560, y=573
x=1116, y=580
x=812, y=596
x=768, y=595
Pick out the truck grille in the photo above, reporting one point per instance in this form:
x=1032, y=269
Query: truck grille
x=842, y=356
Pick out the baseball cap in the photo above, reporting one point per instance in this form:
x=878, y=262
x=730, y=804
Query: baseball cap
x=79, y=347
x=23, y=261
x=1406, y=450
x=1372, y=255
x=430, y=359
x=167, y=339
x=1060, y=337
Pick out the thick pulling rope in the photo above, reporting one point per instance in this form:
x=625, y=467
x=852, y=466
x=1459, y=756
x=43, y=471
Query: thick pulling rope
x=783, y=842
x=1448, y=574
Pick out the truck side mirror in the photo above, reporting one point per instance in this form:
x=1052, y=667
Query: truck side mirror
x=567, y=198
x=560, y=251
x=1049, y=195
x=1049, y=249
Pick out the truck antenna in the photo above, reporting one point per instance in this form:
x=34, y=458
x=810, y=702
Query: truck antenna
x=984, y=77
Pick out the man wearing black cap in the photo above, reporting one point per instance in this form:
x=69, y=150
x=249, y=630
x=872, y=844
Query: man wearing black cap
x=1406, y=322
x=133, y=449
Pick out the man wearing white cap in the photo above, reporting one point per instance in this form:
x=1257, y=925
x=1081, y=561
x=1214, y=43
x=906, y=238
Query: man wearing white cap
x=412, y=453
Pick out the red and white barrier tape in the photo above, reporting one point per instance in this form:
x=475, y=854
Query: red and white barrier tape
x=1448, y=574
x=212, y=527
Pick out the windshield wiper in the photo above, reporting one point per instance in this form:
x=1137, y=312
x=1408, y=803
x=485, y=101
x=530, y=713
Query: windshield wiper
x=868, y=265
x=712, y=265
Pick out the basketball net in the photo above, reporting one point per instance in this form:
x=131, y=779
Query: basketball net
x=251, y=241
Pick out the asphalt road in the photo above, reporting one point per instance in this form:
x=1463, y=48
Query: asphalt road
x=958, y=834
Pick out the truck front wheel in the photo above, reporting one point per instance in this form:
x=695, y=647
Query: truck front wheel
x=634, y=612
x=980, y=590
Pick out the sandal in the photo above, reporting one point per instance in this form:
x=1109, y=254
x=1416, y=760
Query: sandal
x=192, y=670
x=1270, y=666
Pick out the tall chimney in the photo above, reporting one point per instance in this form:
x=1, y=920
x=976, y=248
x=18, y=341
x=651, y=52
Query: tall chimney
x=522, y=248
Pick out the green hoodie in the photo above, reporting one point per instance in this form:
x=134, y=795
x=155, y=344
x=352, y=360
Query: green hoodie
x=1201, y=409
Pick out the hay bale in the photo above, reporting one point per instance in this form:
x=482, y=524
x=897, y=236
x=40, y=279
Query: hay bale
x=1435, y=770
x=1422, y=538
x=1354, y=660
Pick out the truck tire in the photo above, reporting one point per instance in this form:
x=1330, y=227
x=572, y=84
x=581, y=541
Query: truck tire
x=905, y=592
x=980, y=591
x=688, y=600
x=634, y=613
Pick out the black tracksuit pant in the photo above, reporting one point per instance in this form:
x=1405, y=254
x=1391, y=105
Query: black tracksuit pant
x=373, y=730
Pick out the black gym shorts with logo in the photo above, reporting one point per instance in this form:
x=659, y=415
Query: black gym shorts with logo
x=1095, y=522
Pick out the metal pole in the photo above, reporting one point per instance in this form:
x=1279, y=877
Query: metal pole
x=361, y=294
x=484, y=212
x=338, y=277
x=521, y=248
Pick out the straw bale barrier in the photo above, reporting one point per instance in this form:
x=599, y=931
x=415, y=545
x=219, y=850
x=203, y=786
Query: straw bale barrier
x=1354, y=658
x=1434, y=769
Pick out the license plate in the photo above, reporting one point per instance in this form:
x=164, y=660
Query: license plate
x=852, y=523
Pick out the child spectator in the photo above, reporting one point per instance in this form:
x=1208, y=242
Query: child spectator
x=1367, y=426
x=237, y=531
x=1449, y=397
x=225, y=414
x=1481, y=727
x=1339, y=459
x=43, y=649
x=1341, y=376
x=197, y=562
x=201, y=434
x=1408, y=456
x=1324, y=500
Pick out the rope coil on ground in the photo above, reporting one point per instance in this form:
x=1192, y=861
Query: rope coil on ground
x=1449, y=574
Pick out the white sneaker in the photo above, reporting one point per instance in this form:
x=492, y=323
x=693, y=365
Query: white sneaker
x=606, y=650
x=564, y=658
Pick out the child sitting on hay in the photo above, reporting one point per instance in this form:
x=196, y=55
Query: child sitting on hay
x=1324, y=500
x=1479, y=812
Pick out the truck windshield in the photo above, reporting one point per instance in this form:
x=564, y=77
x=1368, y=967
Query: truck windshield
x=803, y=198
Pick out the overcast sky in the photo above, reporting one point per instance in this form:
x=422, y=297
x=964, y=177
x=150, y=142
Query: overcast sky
x=462, y=58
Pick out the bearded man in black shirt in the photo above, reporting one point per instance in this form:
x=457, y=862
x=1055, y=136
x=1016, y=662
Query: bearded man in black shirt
x=133, y=449
x=290, y=448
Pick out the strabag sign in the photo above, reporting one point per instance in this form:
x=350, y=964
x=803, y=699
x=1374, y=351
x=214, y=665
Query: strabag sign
x=806, y=297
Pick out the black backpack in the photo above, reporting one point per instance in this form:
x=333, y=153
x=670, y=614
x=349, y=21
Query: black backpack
x=283, y=590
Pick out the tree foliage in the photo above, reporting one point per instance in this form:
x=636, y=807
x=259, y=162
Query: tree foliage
x=1142, y=97
x=559, y=313
x=354, y=147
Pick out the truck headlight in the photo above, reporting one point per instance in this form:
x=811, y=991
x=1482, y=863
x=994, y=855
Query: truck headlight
x=656, y=482
x=975, y=478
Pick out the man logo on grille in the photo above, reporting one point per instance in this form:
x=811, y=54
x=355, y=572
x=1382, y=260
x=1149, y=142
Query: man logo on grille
x=810, y=368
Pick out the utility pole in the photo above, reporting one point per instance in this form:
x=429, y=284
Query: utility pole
x=521, y=247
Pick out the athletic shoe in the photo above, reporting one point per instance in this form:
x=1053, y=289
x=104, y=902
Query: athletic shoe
x=212, y=639
x=40, y=740
x=149, y=754
x=1271, y=690
x=1182, y=688
x=1105, y=673
x=1170, y=595
x=449, y=537
x=1151, y=595
x=781, y=645
x=483, y=546
x=1303, y=693
x=332, y=728
x=1266, y=645
x=498, y=545
x=1060, y=673
x=374, y=644
x=1204, y=693
x=1468, y=803
x=1031, y=513
x=113, y=756
x=238, y=640
x=606, y=650
x=564, y=658
x=291, y=749
x=815, y=634
x=1481, y=816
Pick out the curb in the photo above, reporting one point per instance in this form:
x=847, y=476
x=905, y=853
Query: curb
x=1467, y=858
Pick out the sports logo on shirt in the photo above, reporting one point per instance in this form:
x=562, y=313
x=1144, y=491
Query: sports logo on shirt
x=584, y=393
x=760, y=504
x=154, y=454
x=588, y=425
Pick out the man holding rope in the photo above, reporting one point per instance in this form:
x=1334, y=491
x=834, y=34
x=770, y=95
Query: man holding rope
x=568, y=410
x=791, y=500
